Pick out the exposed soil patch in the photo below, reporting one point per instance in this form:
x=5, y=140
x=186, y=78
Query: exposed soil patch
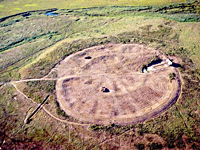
x=109, y=86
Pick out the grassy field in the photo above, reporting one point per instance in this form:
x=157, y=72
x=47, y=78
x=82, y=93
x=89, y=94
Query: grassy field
x=31, y=46
x=10, y=7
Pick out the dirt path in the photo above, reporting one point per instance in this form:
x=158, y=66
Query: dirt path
x=39, y=79
x=45, y=78
x=23, y=93
x=80, y=124
x=43, y=107
x=173, y=101
x=116, y=68
x=133, y=96
x=64, y=121
x=52, y=70
x=73, y=123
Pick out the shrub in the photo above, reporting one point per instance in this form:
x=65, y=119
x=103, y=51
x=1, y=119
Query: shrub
x=139, y=146
x=155, y=146
x=172, y=76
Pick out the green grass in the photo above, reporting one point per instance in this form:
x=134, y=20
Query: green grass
x=38, y=90
x=26, y=41
x=10, y=7
x=31, y=51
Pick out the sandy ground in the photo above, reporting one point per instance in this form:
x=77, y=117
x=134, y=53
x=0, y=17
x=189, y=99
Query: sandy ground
x=132, y=96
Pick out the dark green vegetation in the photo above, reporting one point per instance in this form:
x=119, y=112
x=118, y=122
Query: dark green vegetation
x=10, y=7
x=37, y=90
x=28, y=51
x=172, y=76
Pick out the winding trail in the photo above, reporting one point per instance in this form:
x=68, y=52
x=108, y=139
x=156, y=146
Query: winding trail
x=45, y=110
x=151, y=114
x=82, y=124
x=40, y=79
x=178, y=95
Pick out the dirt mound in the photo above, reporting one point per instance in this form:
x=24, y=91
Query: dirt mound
x=104, y=85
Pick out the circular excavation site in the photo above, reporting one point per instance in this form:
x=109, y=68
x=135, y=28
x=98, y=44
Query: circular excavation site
x=116, y=83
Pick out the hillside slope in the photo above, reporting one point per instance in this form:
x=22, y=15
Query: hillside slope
x=10, y=7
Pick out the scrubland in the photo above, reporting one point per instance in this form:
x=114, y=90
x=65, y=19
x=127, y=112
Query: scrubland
x=10, y=7
x=31, y=46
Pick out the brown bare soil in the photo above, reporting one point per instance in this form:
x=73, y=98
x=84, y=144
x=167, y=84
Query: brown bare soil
x=104, y=85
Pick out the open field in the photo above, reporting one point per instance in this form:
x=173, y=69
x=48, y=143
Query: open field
x=40, y=55
x=10, y=7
